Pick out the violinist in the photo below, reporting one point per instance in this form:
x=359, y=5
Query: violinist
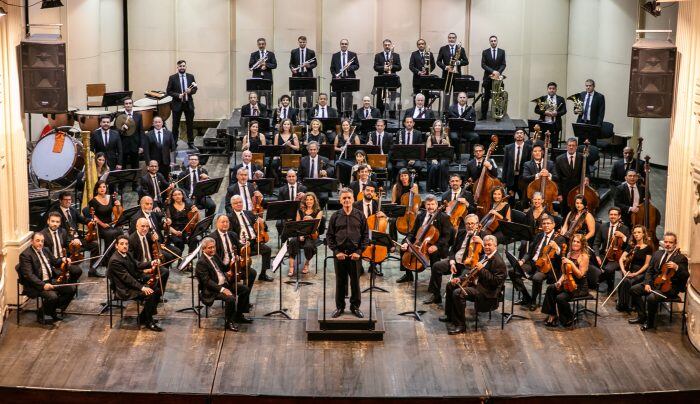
x=369, y=205
x=609, y=236
x=580, y=220
x=242, y=222
x=459, y=252
x=363, y=179
x=500, y=210
x=70, y=219
x=253, y=139
x=228, y=244
x=57, y=240
x=155, y=221
x=142, y=247
x=490, y=276
x=534, y=169
x=665, y=260
x=178, y=211
x=196, y=173
x=557, y=298
x=548, y=270
x=475, y=164
x=130, y=283
x=633, y=263
x=431, y=216
x=243, y=188
x=103, y=204
x=628, y=196
x=315, y=133
x=308, y=210
x=438, y=170
x=154, y=185
x=568, y=168
x=456, y=191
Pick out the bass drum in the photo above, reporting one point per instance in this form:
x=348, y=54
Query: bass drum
x=57, y=158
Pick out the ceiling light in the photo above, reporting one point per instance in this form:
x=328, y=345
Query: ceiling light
x=51, y=3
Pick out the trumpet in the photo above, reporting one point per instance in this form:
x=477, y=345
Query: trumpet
x=259, y=63
x=347, y=65
x=298, y=68
x=578, y=103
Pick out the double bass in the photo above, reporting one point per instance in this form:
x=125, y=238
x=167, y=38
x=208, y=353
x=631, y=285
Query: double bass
x=647, y=214
x=592, y=198
x=412, y=201
x=426, y=236
x=544, y=185
x=486, y=182
x=376, y=253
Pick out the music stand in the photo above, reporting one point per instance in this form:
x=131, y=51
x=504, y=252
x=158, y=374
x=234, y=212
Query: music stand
x=426, y=264
x=107, y=304
x=275, y=264
x=353, y=148
x=266, y=186
x=264, y=123
x=327, y=151
x=516, y=267
x=515, y=231
x=127, y=215
x=439, y=152
x=344, y=87
x=368, y=125
x=423, y=124
x=271, y=150
x=584, y=131
x=463, y=84
x=202, y=227
x=407, y=152
x=382, y=240
x=301, y=228
x=329, y=124
x=430, y=83
x=393, y=210
x=115, y=98
x=387, y=81
x=207, y=187
x=119, y=177
x=187, y=262
x=302, y=87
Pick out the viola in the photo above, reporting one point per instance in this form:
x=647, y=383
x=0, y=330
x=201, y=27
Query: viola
x=544, y=185
x=156, y=254
x=568, y=283
x=426, y=236
x=473, y=275
x=544, y=260
x=244, y=259
x=663, y=280
x=456, y=210
x=75, y=249
x=63, y=276
x=258, y=210
x=576, y=226
x=192, y=220
x=474, y=251
x=647, y=214
x=377, y=253
x=91, y=234
x=592, y=197
x=412, y=201
x=614, y=252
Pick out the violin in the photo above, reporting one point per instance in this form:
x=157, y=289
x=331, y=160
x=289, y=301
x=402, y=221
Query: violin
x=544, y=185
x=244, y=259
x=544, y=260
x=117, y=209
x=592, y=197
x=262, y=235
x=614, y=252
x=628, y=259
x=486, y=182
x=457, y=209
x=473, y=275
x=474, y=251
x=568, y=283
x=235, y=267
x=412, y=201
x=647, y=214
x=426, y=236
x=75, y=249
x=663, y=280
x=377, y=253
x=91, y=234
x=63, y=276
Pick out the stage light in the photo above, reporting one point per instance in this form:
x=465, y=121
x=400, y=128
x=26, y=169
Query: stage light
x=2, y=12
x=51, y=3
x=652, y=7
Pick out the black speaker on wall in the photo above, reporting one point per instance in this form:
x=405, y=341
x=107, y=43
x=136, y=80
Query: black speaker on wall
x=652, y=79
x=43, y=75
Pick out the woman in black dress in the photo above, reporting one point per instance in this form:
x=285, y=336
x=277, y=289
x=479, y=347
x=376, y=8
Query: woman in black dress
x=640, y=252
x=308, y=210
x=500, y=209
x=315, y=133
x=254, y=139
x=344, y=161
x=177, y=212
x=532, y=218
x=587, y=227
x=102, y=203
x=438, y=170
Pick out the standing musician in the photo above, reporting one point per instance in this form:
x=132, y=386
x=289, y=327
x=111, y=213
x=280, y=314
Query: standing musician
x=253, y=139
x=37, y=274
x=242, y=222
x=262, y=69
x=154, y=185
x=638, y=253
x=447, y=53
x=218, y=285
x=178, y=211
x=593, y=112
x=384, y=141
x=315, y=133
x=103, y=204
x=401, y=187
x=456, y=191
x=459, y=252
x=243, y=188
x=438, y=170
x=477, y=161
x=303, y=60
x=132, y=146
x=672, y=259
x=500, y=210
x=554, y=107
x=347, y=136
x=568, y=168
x=367, y=111
x=557, y=297
x=338, y=62
x=141, y=248
x=622, y=166
x=285, y=111
x=106, y=140
x=308, y=210
x=421, y=63
x=159, y=143
x=580, y=220
x=129, y=282
x=57, y=241
x=628, y=196
x=70, y=218
x=419, y=111
x=291, y=191
x=253, y=108
x=155, y=223
x=408, y=136
x=493, y=61
x=461, y=110
x=181, y=87
x=347, y=236
x=604, y=238
x=386, y=62
x=228, y=245
x=484, y=292
x=196, y=173
x=515, y=156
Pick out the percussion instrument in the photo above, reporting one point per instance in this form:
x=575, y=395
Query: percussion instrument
x=62, y=119
x=89, y=119
x=57, y=158
x=147, y=114
x=162, y=106
x=124, y=119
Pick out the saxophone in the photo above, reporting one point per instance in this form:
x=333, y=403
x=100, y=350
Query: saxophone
x=578, y=103
x=499, y=98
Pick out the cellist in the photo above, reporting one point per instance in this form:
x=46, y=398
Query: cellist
x=475, y=164
x=534, y=169
x=608, y=233
x=370, y=206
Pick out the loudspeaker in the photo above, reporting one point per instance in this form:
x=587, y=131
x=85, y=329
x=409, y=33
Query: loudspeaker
x=43, y=76
x=652, y=79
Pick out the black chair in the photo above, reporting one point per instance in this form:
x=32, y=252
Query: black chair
x=667, y=305
x=206, y=306
x=39, y=300
x=501, y=301
x=112, y=300
x=592, y=277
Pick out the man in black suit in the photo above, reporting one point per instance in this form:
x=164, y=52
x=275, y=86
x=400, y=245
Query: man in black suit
x=368, y=206
x=408, y=136
x=386, y=62
x=420, y=59
x=154, y=185
x=478, y=160
x=247, y=163
x=228, y=244
x=534, y=169
x=253, y=107
x=242, y=222
x=367, y=111
x=366, y=187
x=628, y=162
x=382, y=139
x=515, y=156
x=628, y=196
x=601, y=243
x=195, y=174
x=292, y=190
x=302, y=60
x=593, y=112
x=568, y=168
x=141, y=247
x=461, y=110
x=132, y=146
x=70, y=218
x=419, y=111
x=315, y=166
x=285, y=110
x=129, y=282
x=264, y=69
x=106, y=140
x=671, y=255
x=155, y=218
x=447, y=53
x=243, y=188
x=181, y=87
x=338, y=61
x=37, y=273
x=493, y=61
x=159, y=145
x=554, y=108
x=217, y=285
x=322, y=109
x=460, y=194
x=57, y=240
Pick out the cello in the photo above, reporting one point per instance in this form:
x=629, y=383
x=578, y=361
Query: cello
x=486, y=182
x=411, y=200
x=426, y=236
x=456, y=210
x=592, y=198
x=376, y=224
x=647, y=214
x=544, y=185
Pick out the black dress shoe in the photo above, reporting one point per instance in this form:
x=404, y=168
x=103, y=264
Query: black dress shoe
x=231, y=326
x=444, y=319
x=460, y=329
x=407, y=277
x=337, y=313
x=379, y=272
x=357, y=312
x=265, y=277
x=523, y=302
x=432, y=299
x=637, y=320
x=646, y=326
x=243, y=320
x=552, y=323
x=532, y=307
x=154, y=327
x=44, y=321
x=95, y=274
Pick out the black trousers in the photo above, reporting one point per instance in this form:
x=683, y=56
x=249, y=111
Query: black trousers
x=441, y=268
x=608, y=274
x=456, y=302
x=537, y=278
x=345, y=269
x=207, y=204
x=74, y=273
x=58, y=298
x=231, y=309
x=150, y=304
x=457, y=138
x=265, y=252
x=624, y=295
x=189, y=120
x=557, y=301
x=438, y=174
x=647, y=309
x=309, y=246
x=131, y=146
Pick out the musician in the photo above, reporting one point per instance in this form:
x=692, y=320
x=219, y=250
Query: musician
x=381, y=139
x=456, y=191
x=129, y=282
x=515, y=156
x=70, y=218
x=285, y=110
x=474, y=166
x=246, y=162
x=132, y=146
x=253, y=107
x=534, y=169
x=402, y=186
x=196, y=173
x=438, y=170
x=368, y=205
x=263, y=69
x=346, y=136
x=303, y=60
x=103, y=203
x=181, y=87
x=308, y=210
x=101, y=167
x=243, y=188
x=291, y=191
x=315, y=133
x=454, y=263
x=500, y=210
x=556, y=298
x=57, y=241
x=177, y=211
x=156, y=221
x=593, y=112
x=242, y=222
x=363, y=180
x=628, y=196
x=322, y=109
x=420, y=59
x=627, y=162
x=315, y=166
x=386, y=62
x=602, y=242
x=154, y=185
x=360, y=160
x=408, y=136
x=253, y=139
x=216, y=284
x=536, y=211
x=484, y=293
x=447, y=53
x=142, y=246
x=347, y=237
x=555, y=107
x=228, y=245
x=338, y=61
x=528, y=267
x=587, y=222
x=287, y=138
x=106, y=140
x=462, y=111
x=493, y=61
x=431, y=216
x=367, y=111
x=419, y=111
x=37, y=274
x=568, y=168
x=158, y=145
x=639, y=252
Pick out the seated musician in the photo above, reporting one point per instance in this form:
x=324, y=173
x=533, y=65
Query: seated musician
x=344, y=163
x=178, y=211
x=190, y=176
x=459, y=252
x=368, y=205
x=455, y=191
x=529, y=264
x=401, y=187
x=431, y=216
x=322, y=109
x=360, y=160
x=420, y=110
x=101, y=167
x=243, y=222
x=380, y=138
x=228, y=245
x=484, y=292
x=500, y=210
x=244, y=188
x=638, y=252
x=287, y=138
x=253, y=107
x=363, y=180
x=367, y=111
x=474, y=165
x=103, y=204
x=557, y=298
x=154, y=185
x=142, y=248
x=408, y=136
x=253, y=139
x=285, y=111
x=535, y=212
x=247, y=163
x=534, y=170
x=671, y=257
x=463, y=111
x=628, y=196
x=579, y=220
x=315, y=133
x=57, y=240
x=70, y=218
x=291, y=191
x=129, y=282
x=308, y=210
x=602, y=242
x=315, y=166
x=216, y=283
x=155, y=222
x=37, y=274
x=622, y=166
x=438, y=170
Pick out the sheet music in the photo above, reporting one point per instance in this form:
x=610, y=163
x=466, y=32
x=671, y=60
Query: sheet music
x=279, y=257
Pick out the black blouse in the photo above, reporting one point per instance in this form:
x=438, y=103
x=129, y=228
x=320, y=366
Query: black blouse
x=103, y=212
x=639, y=256
x=179, y=217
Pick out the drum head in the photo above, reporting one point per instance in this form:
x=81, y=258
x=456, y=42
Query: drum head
x=51, y=166
x=145, y=102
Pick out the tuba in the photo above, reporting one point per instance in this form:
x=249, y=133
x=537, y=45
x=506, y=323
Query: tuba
x=578, y=103
x=499, y=98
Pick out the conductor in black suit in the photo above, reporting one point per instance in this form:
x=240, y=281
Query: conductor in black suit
x=493, y=61
x=106, y=140
x=181, y=87
x=386, y=62
x=447, y=53
x=302, y=60
x=264, y=69
x=420, y=59
x=338, y=61
x=158, y=146
x=132, y=146
x=555, y=107
x=593, y=112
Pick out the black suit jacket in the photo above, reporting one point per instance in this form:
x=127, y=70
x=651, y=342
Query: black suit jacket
x=235, y=226
x=509, y=162
x=336, y=65
x=417, y=62
x=568, y=178
x=469, y=113
x=444, y=58
x=235, y=240
x=126, y=275
x=355, y=187
x=458, y=240
x=294, y=61
x=442, y=223
x=474, y=173
x=234, y=170
x=427, y=113
x=63, y=240
x=447, y=197
x=133, y=142
x=292, y=113
x=618, y=172
x=113, y=151
x=561, y=110
x=529, y=170
x=380, y=58
x=532, y=248
x=174, y=89
x=185, y=183
x=155, y=223
x=623, y=201
x=135, y=248
x=323, y=164
x=146, y=187
x=597, y=109
x=678, y=281
x=489, y=64
x=416, y=137
x=359, y=205
x=600, y=242
x=360, y=114
x=271, y=64
x=75, y=217
x=387, y=141
x=491, y=279
x=234, y=189
x=247, y=110
x=284, y=191
x=30, y=274
x=152, y=150
x=209, y=279
x=330, y=112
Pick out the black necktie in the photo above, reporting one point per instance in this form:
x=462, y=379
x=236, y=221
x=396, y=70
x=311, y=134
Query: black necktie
x=539, y=167
x=493, y=52
x=366, y=113
x=245, y=196
x=68, y=216
x=56, y=244
x=517, y=161
x=244, y=225
x=292, y=194
x=313, y=171
x=631, y=195
x=571, y=161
